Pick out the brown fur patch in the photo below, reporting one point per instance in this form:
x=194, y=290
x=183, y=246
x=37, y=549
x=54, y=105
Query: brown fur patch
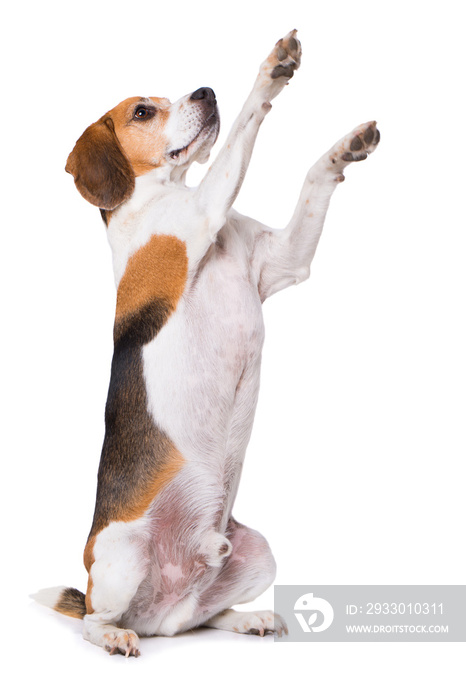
x=102, y=172
x=127, y=488
x=89, y=553
x=143, y=142
x=158, y=270
x=88, y=561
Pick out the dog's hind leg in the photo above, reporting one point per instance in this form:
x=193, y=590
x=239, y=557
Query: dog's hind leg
x=115, y=561
x=284, y=256
x=248, y=572
x=98, y=629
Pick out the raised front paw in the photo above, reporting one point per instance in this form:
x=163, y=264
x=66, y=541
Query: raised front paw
x=355, y=146
x=280, y=65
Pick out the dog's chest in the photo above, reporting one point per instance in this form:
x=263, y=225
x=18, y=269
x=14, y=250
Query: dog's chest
x=225, y=301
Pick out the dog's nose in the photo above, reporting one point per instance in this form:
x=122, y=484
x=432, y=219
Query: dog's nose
x=203, y=93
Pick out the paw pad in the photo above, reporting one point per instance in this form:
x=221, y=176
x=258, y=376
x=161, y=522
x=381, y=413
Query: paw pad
x=357, y=145
x=283, y=71
x=288, y=52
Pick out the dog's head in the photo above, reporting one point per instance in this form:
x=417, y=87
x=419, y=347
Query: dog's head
x=137, y=136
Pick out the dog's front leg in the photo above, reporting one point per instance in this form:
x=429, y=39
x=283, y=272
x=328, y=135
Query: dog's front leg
x=219, y=188
x=284, y=256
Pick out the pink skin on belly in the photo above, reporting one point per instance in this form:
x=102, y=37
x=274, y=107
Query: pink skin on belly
x=237, y=541
x=172, y=572
x=171, y=598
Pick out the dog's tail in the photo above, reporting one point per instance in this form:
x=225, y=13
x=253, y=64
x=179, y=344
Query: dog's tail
x=68, y=601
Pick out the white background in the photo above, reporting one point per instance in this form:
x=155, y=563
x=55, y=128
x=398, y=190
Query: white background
x=355, y=468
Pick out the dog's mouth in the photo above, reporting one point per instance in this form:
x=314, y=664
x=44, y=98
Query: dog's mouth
x=210, y=126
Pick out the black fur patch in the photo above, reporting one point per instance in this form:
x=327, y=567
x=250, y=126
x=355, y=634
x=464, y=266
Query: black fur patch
x=134, y=448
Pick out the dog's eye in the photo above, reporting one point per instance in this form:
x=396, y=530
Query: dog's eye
x=141, y=113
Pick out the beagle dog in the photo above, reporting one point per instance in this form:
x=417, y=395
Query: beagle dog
x=164, y=553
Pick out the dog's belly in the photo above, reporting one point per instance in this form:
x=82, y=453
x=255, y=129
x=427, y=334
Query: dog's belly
x=202, y=369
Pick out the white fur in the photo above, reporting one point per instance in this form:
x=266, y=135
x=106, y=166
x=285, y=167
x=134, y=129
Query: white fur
x=119, y=566
x=179, y=620
x=48, y=596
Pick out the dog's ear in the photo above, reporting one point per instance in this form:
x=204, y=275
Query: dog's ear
x=102, y=173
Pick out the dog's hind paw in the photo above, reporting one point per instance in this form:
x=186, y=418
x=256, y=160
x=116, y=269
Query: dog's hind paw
x=123, y=642
x=216, y=548
x=261, y=622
